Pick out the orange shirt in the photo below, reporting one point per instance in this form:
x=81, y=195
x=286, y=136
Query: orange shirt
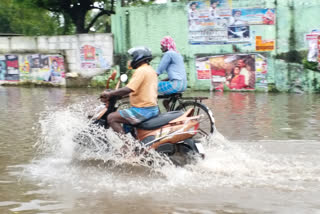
x=144, y=83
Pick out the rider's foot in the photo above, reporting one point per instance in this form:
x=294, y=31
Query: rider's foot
x=166, y=104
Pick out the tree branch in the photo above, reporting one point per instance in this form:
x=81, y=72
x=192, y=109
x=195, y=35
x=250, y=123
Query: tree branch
x=101, y=13
x=94, y=7
x=112, y=5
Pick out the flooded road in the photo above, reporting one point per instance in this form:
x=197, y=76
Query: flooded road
x=265, y=159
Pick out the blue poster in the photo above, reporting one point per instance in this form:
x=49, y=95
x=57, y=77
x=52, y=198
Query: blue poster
x=3, y=68
x=252, y=16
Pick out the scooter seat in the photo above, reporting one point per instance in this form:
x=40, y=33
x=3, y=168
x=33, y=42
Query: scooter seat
x=160, y=120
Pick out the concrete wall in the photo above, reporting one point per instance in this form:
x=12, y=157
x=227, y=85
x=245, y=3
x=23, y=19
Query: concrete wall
x=67, y=46
x=146, y=25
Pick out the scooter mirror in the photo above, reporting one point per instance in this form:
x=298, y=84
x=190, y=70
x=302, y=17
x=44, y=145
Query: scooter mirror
x=124, y=78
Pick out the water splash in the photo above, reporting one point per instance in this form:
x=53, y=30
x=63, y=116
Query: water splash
x=60, y=161
x=248, y=164
x=68, y=134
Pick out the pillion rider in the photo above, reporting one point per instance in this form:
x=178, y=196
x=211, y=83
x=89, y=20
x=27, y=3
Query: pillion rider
x=142, y=89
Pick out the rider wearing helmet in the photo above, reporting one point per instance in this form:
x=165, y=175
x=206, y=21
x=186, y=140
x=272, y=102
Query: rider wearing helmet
x=142, y=89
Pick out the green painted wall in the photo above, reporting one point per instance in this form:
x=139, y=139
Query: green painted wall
x=146, y=25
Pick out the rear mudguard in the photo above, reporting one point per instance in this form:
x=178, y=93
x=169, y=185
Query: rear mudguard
x=186, y=147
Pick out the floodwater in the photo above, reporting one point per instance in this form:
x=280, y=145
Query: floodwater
x=264, y=159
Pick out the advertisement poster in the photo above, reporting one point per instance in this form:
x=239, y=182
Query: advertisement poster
x=92, y=57
x=264, y=45
x=24, y=67
x=312, y=41
x=40, y=67
x=49, y=68
x=261, y=72
x=52, y=68
x=12, y=68
x=238, y=34
x=3, y=68
x=224, y=3
x=56, y=69
x=101, y=62
x=234, y=71
x=44, y=62
x=41, y=71
x=203, y=70
x=215, y=22
x=253, y=16
x=208, y=22
x=87, y=56
x=35, y=61
x=88, y=52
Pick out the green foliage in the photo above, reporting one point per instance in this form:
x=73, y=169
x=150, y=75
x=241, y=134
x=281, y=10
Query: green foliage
x=17, y=19
x=102, y=25
x=292, y=56
x=298, y=57
x=84, y=14
x=310, y=65
x=272, y=87
x=100, y=81
x=80, y=16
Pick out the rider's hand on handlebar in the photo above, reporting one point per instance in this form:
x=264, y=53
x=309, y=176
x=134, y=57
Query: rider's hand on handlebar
x=104, y=96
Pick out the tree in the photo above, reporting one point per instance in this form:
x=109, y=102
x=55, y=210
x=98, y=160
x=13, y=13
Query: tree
x=30, y=21
x=78, y=11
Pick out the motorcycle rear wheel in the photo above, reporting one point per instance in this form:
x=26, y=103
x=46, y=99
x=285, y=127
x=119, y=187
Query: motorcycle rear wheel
x=206, y=126
x=185, y=154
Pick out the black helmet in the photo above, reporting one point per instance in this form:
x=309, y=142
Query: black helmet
x=139, y=55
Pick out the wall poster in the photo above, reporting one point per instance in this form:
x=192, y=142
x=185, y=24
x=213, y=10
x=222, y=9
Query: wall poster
x=12, y=73
x=203, y=69
x=264, y=45
x=235, y=71
x=261, y=72
x=34, y=67
x=3, y=68
x=92, y=57
x=209, y=21
x=24, y=67
x=312, y=41
x=215, y=22
x=253, y=16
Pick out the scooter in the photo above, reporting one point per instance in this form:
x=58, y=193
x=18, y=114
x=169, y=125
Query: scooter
x=172, y=133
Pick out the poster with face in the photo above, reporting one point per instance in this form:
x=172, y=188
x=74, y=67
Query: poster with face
x=35, y=61
x=215, y=22
x=12, y=73
x=208, y=22
x=56, y=68
x=234, y=71
x=44, y=62
x=253, y=16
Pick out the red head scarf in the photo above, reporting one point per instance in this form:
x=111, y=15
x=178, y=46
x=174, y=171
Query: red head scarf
x=168, y=42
